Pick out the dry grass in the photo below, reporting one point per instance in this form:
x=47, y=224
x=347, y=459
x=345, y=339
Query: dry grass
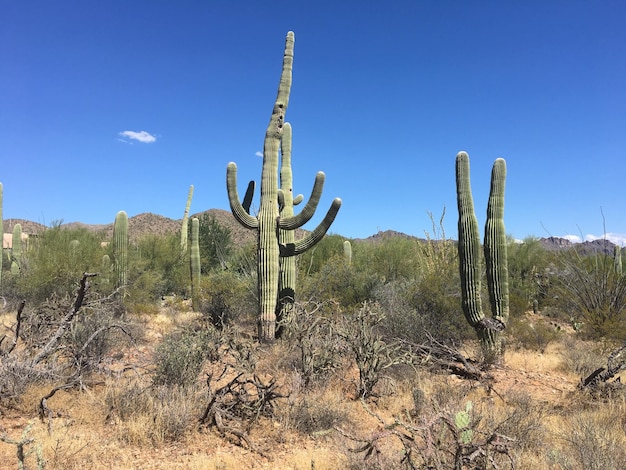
x=120, y=421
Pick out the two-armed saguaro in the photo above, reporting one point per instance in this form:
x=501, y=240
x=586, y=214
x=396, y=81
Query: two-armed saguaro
x=270, y=221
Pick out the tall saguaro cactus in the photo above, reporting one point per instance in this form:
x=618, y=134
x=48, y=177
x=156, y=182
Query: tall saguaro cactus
x=120, y=247
x=470, y=266
x=270, y=221
x=185, y=225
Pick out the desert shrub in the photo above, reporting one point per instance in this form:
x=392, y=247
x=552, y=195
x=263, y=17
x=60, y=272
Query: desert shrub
x=215, y=243
x=372, y=354
x=313, y=260
x=315, y=413
x=593, y=440
x=227, y=297
x=311, y=331
x=534, y=336
x=594, y=293
x=344, y=283
x=151, y=415
x=181, y=355
x=529, y=279
x=428, y=305
x=56, y=260
x=157, y=268
x=583, y=357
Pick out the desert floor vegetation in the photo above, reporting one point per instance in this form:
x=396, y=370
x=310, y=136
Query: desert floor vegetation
x=217, y=400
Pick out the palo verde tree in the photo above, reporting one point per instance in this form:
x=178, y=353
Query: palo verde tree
x=269, y=222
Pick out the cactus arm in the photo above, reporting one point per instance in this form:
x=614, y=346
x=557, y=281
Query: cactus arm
x=298, y=199
x=315, y=236
x=495, y=245
x=247, y=199
x=297, y=221
x=468, y=244
x=239, y=211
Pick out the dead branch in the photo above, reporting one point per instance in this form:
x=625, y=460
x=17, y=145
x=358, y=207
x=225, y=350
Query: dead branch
x=18, y=325
x=616, y=362
x=67, y=320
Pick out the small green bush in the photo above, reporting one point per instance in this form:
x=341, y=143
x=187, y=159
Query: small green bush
x=181, y=356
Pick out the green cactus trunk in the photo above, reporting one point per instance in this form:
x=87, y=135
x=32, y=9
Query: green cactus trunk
x=184, y=230
x=617, y=259
x=269, y=222
x=495, y=250
x=469, y=245
x=16, y=249
x=194, y=263
x=287, y=264
x=120, y=248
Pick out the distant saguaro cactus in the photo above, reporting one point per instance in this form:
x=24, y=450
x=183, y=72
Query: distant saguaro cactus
x=470, y=266
x=120, y=248
x=16, y=249
x=347, y=252
x=269, y=222
x=185, y=225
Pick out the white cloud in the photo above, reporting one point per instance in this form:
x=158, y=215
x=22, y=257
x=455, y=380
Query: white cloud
x=141, y=136
x=617, y=238
x=572, y=238
x=258, y=154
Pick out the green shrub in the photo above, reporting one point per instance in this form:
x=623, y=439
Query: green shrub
x=181, y=356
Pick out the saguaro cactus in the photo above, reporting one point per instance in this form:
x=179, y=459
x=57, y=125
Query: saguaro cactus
x=120, y=247
x=194, y=263
x=269, y=221
x=470, y=266
x=347, y=252
x=16, y=249
x=184, y=228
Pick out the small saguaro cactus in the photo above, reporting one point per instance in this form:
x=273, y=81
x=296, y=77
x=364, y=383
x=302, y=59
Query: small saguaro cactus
x=16, y=249
x=185, y=229
x=347, y=252
x=270, y=222
x=617, y=259
x=194, y=263
x=120, y=248
x=470, y=266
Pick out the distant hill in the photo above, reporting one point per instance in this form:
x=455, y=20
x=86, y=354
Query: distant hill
x=148, y=223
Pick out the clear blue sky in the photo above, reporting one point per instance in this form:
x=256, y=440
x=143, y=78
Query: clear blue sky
x=121, y=105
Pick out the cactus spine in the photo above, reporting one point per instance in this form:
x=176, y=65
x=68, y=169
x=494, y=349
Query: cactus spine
x=488, y=330
x=269, y=221
x=120, y=247
x=16, y=249
x=184, y=231
x=194, y=263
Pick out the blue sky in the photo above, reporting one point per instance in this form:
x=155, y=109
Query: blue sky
x=121, y=105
